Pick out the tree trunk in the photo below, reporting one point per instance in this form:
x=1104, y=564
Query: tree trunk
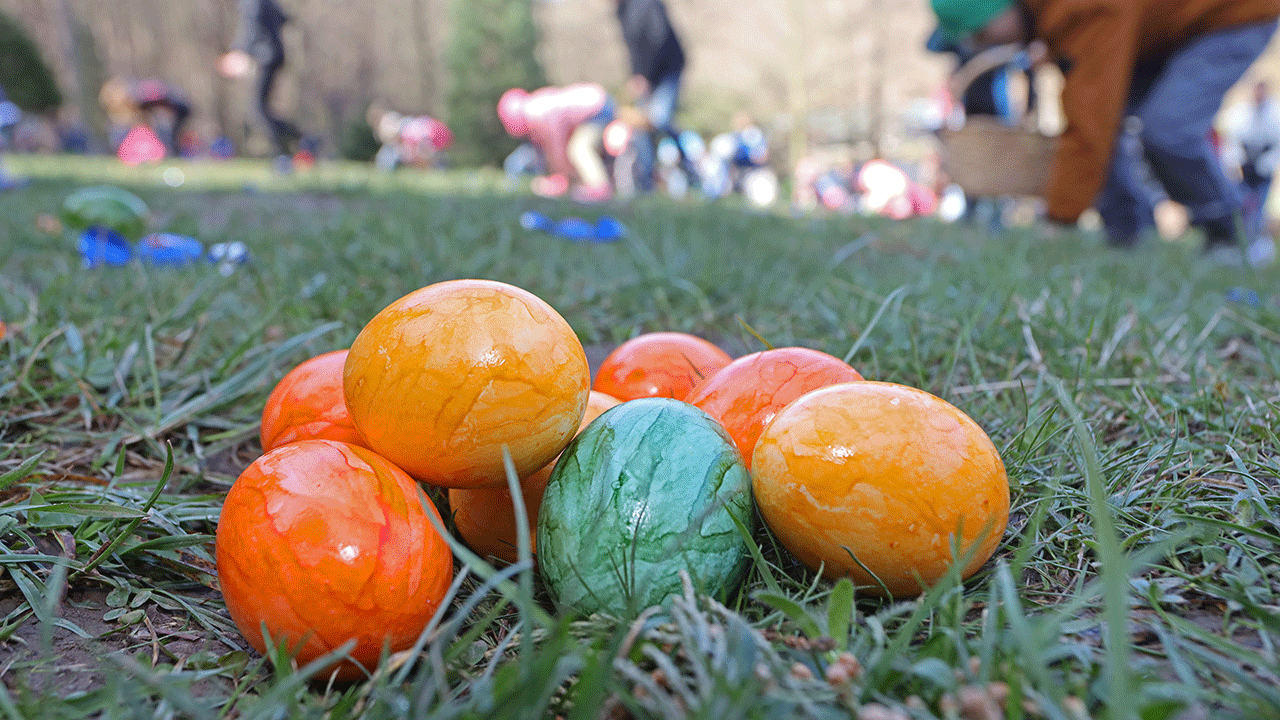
x=426, y=56
x=798, y=86
x=84, y=89
x=875, y=102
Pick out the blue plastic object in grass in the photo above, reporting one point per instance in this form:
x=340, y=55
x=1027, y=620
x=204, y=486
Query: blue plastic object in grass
x=100, y=246
x=169, y=249
x=605, y=229
x=1244, y=295
x=608, y=228
x=12, y=183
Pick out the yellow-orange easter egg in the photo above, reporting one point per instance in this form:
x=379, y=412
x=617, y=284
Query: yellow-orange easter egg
x=874, y=481
x=441, y=380
x=486, y=518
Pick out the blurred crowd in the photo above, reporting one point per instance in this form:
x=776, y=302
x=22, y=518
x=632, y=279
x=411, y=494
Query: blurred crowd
x=1140, y=104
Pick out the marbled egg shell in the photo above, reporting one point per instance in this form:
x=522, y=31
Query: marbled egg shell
x=651, y=487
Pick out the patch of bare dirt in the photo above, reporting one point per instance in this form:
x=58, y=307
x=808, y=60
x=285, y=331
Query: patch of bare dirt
x=73, y=664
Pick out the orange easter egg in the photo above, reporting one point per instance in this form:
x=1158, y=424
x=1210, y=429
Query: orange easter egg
x=877, y=481
x=441, y=380
x=324, y=542
x=486, y=517
x=307, y=404
x=748, y=392
x=660, y=364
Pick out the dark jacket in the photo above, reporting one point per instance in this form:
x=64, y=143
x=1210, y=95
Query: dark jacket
x=1099, y=42
x=651, y=41
x=259, y=34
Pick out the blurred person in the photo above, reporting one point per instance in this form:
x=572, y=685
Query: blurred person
x=259, y=40
x=744, y=147
x=887, y=190
x=9, y=116
x=152, y=102
x=1251, y=147
x=1166, y=62
x=742, y=155
x=657, y=63
x=826, y=182
x=989, y=94
x=416, y=140
x=526, y=159
x=73, y=134
x=566, y=124
x=622, y=145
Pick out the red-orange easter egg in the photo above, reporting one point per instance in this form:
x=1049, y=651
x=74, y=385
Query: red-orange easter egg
x=441, y=380
x=307, y=404
x=659, y=364
x=748, y=392
x=324, y=542
x=876, y=481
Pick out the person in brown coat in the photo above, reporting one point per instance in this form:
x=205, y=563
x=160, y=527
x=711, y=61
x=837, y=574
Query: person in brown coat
x=1166, y=63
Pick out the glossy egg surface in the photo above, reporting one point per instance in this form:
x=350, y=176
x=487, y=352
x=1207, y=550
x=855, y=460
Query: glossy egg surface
x=875, y=480
x=650, y=488
x=325, y=542
x=441, y=380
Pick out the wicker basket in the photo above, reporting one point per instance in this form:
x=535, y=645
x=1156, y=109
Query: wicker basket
x=986, y=157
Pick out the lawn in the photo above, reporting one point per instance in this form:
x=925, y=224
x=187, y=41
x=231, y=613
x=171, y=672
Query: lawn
x=1134, y=397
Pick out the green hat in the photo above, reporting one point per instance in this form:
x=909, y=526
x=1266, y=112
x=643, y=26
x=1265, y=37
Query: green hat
x=961, y=18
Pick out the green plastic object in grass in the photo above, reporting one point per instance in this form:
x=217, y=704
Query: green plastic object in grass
x=107, y=207
x=649, y=488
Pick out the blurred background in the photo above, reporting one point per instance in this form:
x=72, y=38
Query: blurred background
x=850, y=78
x=813, y=73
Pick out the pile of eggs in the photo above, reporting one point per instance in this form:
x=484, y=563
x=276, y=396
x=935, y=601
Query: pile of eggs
x=660, y=464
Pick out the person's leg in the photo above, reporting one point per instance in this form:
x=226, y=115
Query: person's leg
x=523, y=160
x=625, y=171
x=664, y=98
x=1125, y=203
x=658, y=114
x=646, y=160
x=1255, y=207
x=181, y=113
x=584, y=153
x=281, y=131
x=1249, y=208
x=266, y=82
x=1177, y=114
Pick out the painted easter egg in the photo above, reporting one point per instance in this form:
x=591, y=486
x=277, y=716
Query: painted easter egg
x=650, y=488
x=878, y=482
x=323, y=542
x=748, y=392
x=442, y=380
x=659, y=364
x=486, y=517
x=307, y=404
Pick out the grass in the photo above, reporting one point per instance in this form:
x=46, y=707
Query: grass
x=1135, y=406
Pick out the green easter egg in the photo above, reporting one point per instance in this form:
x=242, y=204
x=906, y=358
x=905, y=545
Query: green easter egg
x=649, y=488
